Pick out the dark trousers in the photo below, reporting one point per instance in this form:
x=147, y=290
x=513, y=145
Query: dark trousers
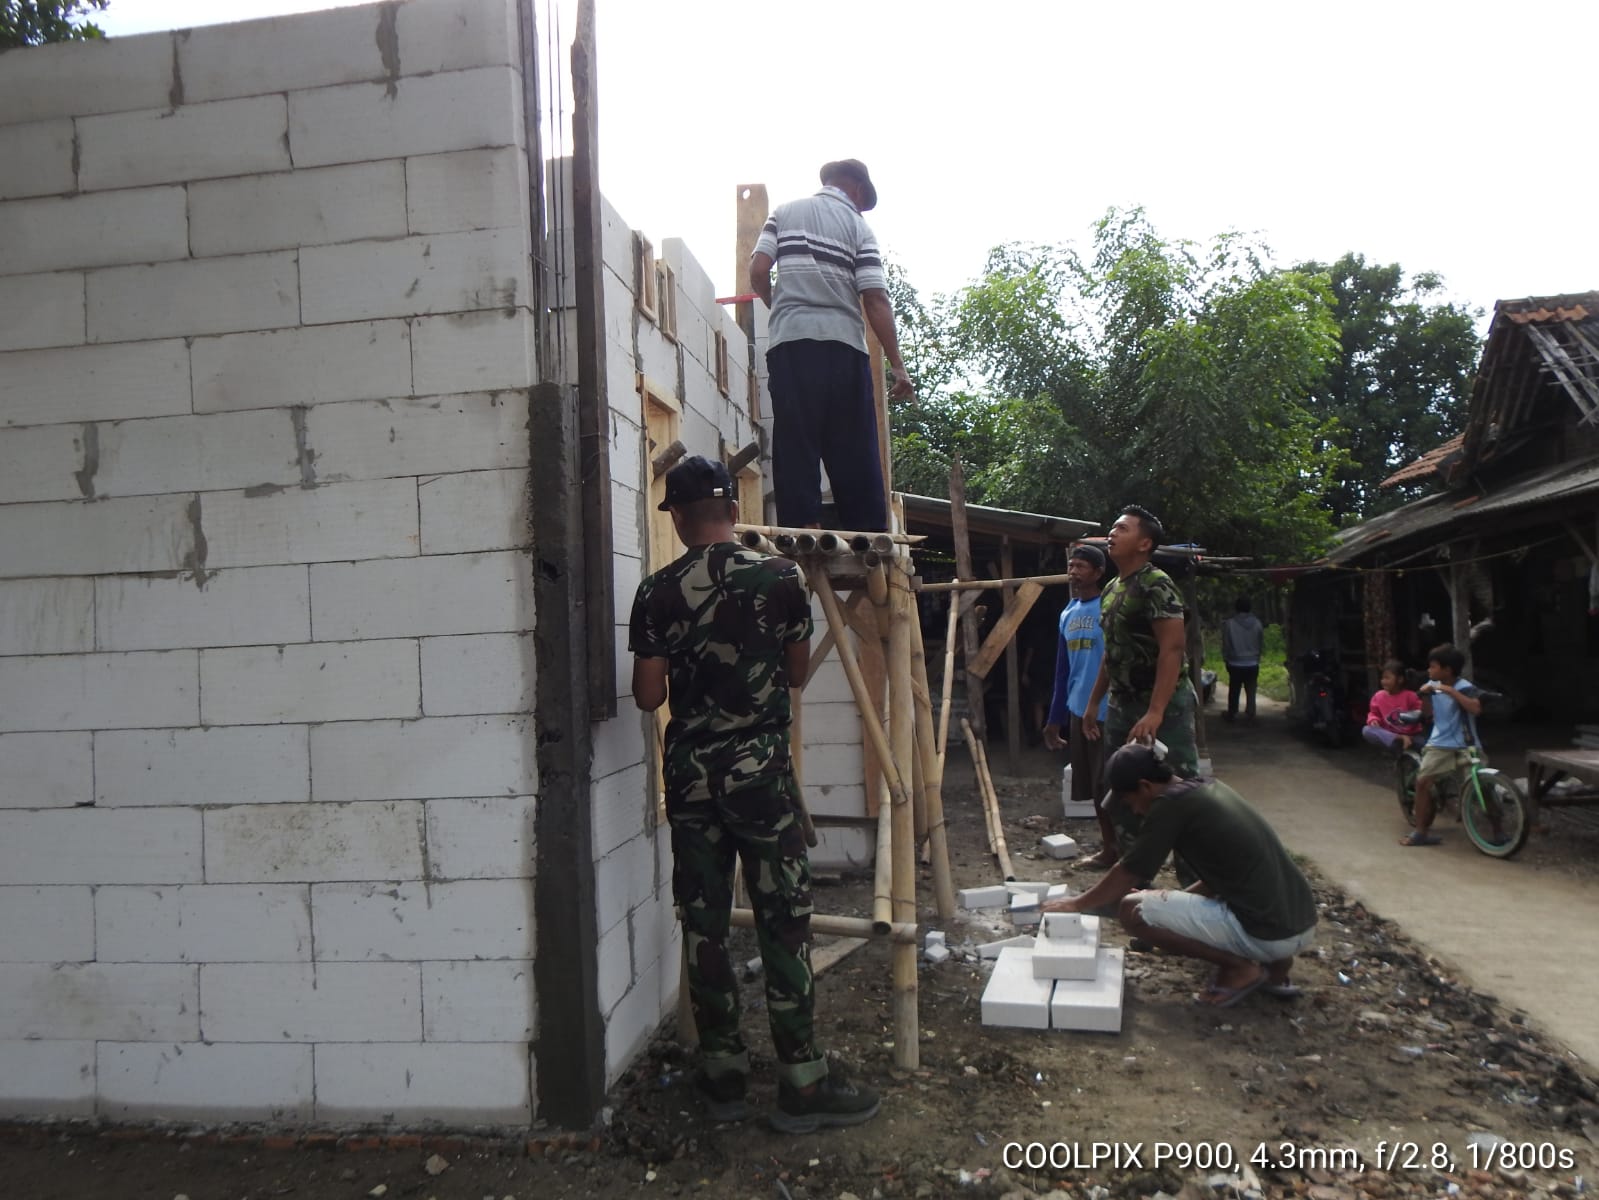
x=1241, y=679
x=1088, y=780
x=824, y=414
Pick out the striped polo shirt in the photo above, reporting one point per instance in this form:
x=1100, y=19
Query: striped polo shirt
x=826, y=256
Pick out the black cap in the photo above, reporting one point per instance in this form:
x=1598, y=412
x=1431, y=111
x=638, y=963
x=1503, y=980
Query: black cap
x=1089, y=554
x=856, y=170
x=1130, y=766
x=696, y=478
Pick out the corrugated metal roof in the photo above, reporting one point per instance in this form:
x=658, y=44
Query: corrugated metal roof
x=1563, y=483
x=1037, y=528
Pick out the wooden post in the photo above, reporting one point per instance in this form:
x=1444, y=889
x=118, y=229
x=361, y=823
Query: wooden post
x=1460, y=606
x=874, y=353
x=752, y=210
x=990, y=799
x=963, y=570
x=907, y=1047
x=932, y=775
x=1013, y=683
x=593, y=409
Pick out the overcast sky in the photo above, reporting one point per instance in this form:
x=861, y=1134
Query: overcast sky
x=1447, y=136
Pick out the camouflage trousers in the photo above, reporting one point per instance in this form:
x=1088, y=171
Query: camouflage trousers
x=760, y=824
x=1180, y=734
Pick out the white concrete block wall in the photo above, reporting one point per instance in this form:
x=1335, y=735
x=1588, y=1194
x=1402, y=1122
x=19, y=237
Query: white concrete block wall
x=267, y=781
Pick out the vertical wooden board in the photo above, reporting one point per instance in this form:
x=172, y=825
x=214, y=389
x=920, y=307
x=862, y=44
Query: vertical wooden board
x=753, y=207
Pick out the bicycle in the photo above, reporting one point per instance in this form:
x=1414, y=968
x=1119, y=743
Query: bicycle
x=1492, y=807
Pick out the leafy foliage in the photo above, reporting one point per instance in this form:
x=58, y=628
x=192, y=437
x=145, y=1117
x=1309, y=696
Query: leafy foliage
x=34, y=22
x=1165, y=372
x=1402, y=381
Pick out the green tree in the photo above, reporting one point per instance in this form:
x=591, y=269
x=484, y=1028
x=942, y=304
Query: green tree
x=1167, y=372
x=1402, y=381
x=34, y=22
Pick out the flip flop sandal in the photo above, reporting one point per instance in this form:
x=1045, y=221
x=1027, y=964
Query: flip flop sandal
x=1229, y=996
x=1284, y=991
x=1417, y=838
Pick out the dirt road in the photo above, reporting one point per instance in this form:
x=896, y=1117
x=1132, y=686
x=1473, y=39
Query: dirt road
x=1520, y=929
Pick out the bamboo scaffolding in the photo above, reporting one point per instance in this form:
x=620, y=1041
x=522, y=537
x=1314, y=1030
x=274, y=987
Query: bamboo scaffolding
x=907, y=1038
x=882, y=542
x=932, y=776
x=756, y=541
x=985, y=788
x=900, y=932
x=975, y=585
x=870, y=721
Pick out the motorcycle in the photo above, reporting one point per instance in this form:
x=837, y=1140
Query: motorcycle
x=1326, y=706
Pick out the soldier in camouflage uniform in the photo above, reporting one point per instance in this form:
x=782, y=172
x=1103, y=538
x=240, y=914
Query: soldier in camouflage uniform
x=1145, y=667
x=725, y=631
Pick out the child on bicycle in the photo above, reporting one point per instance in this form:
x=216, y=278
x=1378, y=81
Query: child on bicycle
x=1451, y=699
x=1383, y=724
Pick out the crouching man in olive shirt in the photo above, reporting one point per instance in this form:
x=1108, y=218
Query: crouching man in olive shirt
x=1250, y=912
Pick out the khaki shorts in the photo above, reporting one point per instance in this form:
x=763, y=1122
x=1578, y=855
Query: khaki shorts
x=1437, y=761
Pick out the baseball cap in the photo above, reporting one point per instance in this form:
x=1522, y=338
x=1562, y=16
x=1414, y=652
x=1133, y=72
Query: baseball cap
x=1089, y=554
x=696, y=478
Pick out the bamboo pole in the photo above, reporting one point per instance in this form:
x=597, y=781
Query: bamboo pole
x=963, y=568
x=870, y=721
x=899, y=932
x=688, y=1033
x=883, y=864
x=985, y=787
x=973, y=585
x=948, y=682
x=982, y=790
x=756, y=541
x=932, y=777
x=796, y=755
x=876, y=578
x=907, y=1041
x=879, y=541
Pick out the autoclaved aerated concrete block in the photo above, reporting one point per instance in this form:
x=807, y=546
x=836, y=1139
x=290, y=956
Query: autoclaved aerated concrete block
x=994, y=949
x=1092, y=1004
x=106, y=229
x=995, y=895
x=192, y=141
x=1013, y=997
x=1070, y=952
x=1058, y=845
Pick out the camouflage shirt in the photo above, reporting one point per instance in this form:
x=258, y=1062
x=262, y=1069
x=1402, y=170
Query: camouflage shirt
x=721, y=616
x=1127, y=614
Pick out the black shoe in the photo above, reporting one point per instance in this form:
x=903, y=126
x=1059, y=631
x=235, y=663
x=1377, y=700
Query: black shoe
x=832, y=1102
x=724, y=1096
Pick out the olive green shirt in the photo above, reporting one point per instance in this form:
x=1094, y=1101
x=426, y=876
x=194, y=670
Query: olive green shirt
x=1233, y=850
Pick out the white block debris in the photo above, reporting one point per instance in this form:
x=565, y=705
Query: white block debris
x=1058, y=845
x=1013, y=998
x=1093, y=1004
x=994, y=895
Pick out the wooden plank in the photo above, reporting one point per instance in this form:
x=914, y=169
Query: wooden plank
x=834, y=953
x=1000, y=637
x=753, y=207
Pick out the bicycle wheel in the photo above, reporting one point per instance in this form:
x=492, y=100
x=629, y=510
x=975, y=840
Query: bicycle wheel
x=1495, y=814
x=1405, y=768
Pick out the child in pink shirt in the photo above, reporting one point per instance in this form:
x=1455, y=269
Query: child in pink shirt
x=1383, y=726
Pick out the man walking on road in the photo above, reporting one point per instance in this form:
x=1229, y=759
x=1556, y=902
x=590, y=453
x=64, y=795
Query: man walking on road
x=828, y=268
x=1077, y=658
x=725, y=632
x=1242, y=638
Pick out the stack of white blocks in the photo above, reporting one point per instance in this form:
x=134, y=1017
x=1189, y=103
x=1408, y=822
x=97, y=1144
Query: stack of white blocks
x=1064, y=980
